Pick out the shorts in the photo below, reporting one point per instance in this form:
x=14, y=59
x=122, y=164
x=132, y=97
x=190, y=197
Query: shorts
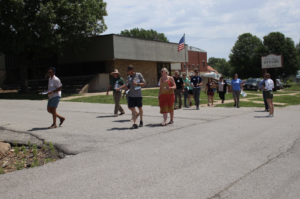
x=135, y=102
x=53, y=102
x=191, y=92
x=269, y=94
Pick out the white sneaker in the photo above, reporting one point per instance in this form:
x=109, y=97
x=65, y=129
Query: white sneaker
x=269, y=116
x=272, y=115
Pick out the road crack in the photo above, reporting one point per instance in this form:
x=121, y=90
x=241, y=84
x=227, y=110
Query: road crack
x=286, y=152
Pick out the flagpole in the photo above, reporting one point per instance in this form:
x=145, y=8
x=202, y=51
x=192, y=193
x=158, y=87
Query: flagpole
x=185, y=57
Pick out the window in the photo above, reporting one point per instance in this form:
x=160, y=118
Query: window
x=189, y=66
x=184, y=66
x=193, y=66
x=203, y=63
x=197, y=66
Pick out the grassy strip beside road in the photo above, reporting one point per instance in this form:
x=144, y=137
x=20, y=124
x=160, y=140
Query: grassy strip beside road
x=102, y=99
x=29, y=96
x=290, y=100
x=242, y=104
x=294, y=87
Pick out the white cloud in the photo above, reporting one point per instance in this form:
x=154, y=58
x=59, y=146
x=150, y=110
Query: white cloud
x=212, y=25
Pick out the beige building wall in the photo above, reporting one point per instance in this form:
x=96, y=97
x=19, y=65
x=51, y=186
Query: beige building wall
x=148, y=70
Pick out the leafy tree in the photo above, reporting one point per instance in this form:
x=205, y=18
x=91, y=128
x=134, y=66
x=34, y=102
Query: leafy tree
x=144, y=34
x=298, y=48
x=245, y=56
x=32, y=29
x=221, y=65
x=277, y=43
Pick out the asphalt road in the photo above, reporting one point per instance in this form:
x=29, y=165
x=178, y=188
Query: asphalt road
x=212, y=153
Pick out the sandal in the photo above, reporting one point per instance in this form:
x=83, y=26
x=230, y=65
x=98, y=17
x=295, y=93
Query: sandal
x=52, y=126
x=208, y=105
x=122, y=113
x=62, y=121
x=116, y=115
x=171, y=122
x=163, y=124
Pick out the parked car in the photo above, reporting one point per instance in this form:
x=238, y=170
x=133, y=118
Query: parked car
x=252, y=84
x=279, y=84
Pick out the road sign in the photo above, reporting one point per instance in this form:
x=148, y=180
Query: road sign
x=271, y=61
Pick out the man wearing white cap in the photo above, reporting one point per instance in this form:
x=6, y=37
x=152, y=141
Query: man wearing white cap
x=115, y=83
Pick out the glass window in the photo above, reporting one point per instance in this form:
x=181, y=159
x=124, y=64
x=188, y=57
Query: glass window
x=203, y=64
x=189, y=66
x=193, y=66
x=197, y=66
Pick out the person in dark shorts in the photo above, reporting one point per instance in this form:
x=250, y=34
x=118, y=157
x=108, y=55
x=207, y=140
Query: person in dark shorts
x=54, y=95
x=136, y=82
x=268, y=87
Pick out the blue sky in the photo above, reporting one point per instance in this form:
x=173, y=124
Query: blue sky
x=212, y=25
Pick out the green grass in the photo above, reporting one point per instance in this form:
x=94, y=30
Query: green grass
x=102, y=99
x=29, y=96
x=294, y=86
x=290, y=100
x=242, y=104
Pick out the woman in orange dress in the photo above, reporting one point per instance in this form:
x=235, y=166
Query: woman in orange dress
x=166, y=96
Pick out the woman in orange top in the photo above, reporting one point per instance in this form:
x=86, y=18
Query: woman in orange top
x=166, y=96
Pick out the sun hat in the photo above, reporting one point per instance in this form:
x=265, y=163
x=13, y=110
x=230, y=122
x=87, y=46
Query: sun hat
x=115, y=72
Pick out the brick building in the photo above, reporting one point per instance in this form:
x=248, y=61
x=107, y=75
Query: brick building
x=197, y=59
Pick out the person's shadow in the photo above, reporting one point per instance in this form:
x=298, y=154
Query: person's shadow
x=122, y=121
x=39, y=129
x=153, y=125
x=260, y=117
x=118, y=129
x=105, y=116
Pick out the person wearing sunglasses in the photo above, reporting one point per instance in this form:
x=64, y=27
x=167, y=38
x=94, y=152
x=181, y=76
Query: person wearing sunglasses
x=135, y=98
x=54, y=95
x=166, y=96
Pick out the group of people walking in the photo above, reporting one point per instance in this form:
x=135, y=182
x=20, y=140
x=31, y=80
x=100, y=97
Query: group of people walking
x=170, y=89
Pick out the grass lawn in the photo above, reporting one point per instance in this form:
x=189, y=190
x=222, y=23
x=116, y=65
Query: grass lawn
x=102, y=99
x=242, y=104
x=294, y=86
x=203, y=96
x=290, y=100
x=29, y=96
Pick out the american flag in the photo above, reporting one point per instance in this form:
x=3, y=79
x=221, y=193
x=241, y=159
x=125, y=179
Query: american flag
x=181, y=44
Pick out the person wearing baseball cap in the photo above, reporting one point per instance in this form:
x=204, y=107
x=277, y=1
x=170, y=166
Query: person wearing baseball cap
x=115, y=83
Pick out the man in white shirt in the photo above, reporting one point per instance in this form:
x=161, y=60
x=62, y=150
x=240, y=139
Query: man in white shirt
x=54, y=95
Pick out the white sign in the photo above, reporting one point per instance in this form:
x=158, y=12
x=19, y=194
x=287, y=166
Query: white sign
x=271, y=61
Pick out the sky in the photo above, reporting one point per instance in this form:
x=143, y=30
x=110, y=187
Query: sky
x=212, y=25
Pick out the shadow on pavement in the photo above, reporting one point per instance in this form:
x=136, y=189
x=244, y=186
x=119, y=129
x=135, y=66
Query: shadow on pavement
x=118, y=129
x=38, y=129
x=260, y=117
x=122, y=121
x=105, y=116
x=152, y=125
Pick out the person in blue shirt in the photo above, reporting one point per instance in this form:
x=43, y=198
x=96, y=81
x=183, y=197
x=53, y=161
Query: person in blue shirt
x=262, y=82
x=196, y=82
x=236, y=88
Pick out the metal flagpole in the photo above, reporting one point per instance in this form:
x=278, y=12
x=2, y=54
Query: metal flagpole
x=185, y=57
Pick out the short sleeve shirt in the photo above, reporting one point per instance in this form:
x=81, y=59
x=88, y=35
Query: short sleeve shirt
x=236, y=84
x=114, y=81
x=138, y=78
x=186, y=80
x=54, y=84
x=196, y=80
x=178, y=82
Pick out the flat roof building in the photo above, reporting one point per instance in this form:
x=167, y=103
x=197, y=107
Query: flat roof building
x=102, y=55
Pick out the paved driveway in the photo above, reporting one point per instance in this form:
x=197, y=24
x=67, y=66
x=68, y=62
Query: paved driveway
x=211, y=153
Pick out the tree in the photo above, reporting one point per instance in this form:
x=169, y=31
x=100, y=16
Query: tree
x=221, y=65
x=277, y=43
x=245, y=56
x=144, y=34
x=32, y=29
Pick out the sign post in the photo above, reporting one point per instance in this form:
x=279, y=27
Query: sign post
x=270, y=63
